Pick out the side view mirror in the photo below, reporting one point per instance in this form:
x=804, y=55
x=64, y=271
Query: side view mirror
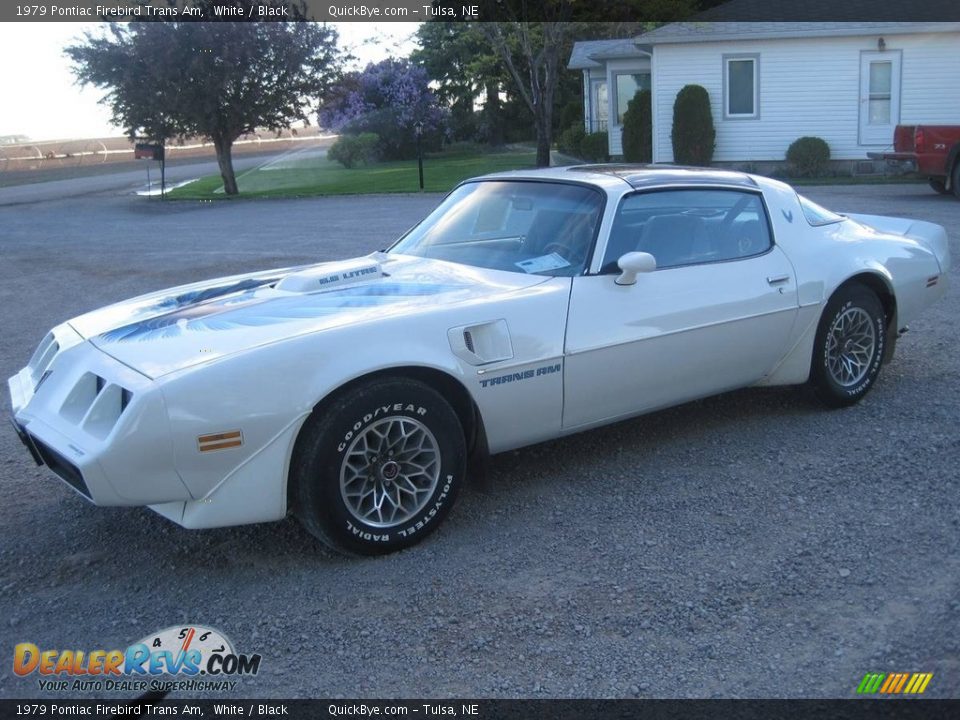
x=633, y=263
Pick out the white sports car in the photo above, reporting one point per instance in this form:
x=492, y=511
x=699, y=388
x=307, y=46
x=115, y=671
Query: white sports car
x=527, y=306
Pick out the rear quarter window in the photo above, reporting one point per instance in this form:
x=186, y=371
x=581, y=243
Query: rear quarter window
x=817, y=215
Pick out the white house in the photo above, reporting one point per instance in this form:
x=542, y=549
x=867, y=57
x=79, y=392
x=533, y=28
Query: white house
x=613, y=72
x=772, y=82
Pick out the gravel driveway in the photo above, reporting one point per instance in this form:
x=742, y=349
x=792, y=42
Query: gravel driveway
x=747, y=545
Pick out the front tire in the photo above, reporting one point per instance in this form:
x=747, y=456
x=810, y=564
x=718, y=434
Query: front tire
x=378, y=468
x=955, y=180
x=849, y=346
x=938, y=185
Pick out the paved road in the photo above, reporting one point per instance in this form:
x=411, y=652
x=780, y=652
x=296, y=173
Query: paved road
x=746, y=545
x=127, y=177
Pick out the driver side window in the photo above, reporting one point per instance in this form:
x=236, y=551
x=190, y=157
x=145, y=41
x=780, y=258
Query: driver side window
x=688, y=227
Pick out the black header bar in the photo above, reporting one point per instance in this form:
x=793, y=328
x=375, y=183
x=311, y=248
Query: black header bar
x=472, y=10
x=859, y=709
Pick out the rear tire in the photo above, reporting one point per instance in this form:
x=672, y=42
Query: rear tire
x=955, y=180
x=849, y=346
x=379, y=467
x=938, y=185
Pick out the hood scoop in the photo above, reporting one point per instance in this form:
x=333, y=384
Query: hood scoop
x=331, y=275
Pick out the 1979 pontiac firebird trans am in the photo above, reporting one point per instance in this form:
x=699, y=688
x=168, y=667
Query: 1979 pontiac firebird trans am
x=527, y=306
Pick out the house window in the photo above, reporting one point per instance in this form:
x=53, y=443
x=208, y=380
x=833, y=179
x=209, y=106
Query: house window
x=628, y=85
x=741, y=80
x=881, y=85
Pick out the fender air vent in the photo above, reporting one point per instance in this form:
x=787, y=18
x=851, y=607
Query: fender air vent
x=483, y=343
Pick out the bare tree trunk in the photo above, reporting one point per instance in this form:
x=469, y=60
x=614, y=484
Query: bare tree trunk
x=538, y=83
x=225, y=161
x=492, y=111
x=543, y=142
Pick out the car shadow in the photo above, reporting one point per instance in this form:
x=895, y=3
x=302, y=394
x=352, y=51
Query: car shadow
x=281, y=547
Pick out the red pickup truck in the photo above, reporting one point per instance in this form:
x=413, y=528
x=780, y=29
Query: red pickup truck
x=934, y=150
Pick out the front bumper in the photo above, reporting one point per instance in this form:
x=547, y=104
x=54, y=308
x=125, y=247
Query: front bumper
x=57, y=463
x=27, y=441
x=98, y=425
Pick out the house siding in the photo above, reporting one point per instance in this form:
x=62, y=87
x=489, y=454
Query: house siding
x=808, y=86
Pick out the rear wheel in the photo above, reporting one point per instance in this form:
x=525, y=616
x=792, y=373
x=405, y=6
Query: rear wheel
x=379, y=468
x=938, y=185
x=955, y=180
x=849, y=346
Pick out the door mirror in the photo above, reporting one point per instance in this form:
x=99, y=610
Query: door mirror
x=632, y=263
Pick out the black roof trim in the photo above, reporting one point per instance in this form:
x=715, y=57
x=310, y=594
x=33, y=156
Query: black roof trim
x=643, y=176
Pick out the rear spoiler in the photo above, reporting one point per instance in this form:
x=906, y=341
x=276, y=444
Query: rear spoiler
x=930, y=235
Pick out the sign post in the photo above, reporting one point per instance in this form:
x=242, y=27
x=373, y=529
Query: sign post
x=418, y=129
x=153, y=151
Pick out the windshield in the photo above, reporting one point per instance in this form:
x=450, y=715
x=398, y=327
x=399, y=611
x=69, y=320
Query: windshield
x=817, y=215
x=532, y=227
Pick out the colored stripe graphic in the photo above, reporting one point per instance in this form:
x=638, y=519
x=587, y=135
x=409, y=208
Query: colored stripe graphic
x=903, y=679
x=918, y=683
x=870, y=683
x=894, y=683
x=220, y=441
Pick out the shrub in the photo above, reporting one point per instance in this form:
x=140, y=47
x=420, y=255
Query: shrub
x=570, y=139
x=638, y=129
x=808, y=157
x=352, y=150
x=595, y=147
x=693, y=134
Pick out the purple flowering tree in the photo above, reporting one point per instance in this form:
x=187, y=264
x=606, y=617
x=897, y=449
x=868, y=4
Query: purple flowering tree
x=387, y=98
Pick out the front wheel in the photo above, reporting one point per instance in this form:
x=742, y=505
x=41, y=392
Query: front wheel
x=955, y=180
x=378, y=468
x=938, y=185
x=849, y=346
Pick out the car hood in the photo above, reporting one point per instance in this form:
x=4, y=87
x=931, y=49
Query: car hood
x=174, y=329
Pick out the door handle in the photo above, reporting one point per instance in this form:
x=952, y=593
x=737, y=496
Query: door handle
x=778, y=279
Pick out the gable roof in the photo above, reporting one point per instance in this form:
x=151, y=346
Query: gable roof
x=591, y=53
x=691, y=32
x=854, y=11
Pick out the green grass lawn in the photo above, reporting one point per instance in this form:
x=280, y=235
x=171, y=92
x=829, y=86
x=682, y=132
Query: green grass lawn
x=309, y=174
x=319, y=176
x=857, y=180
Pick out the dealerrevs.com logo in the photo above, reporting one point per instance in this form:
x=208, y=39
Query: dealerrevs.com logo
x=201, y=657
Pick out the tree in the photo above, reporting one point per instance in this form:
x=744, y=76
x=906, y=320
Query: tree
x=531, y=53
x=218, y=80
x=459, y=59
x=638, y=129
x=388, y=98
x=534, y=53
